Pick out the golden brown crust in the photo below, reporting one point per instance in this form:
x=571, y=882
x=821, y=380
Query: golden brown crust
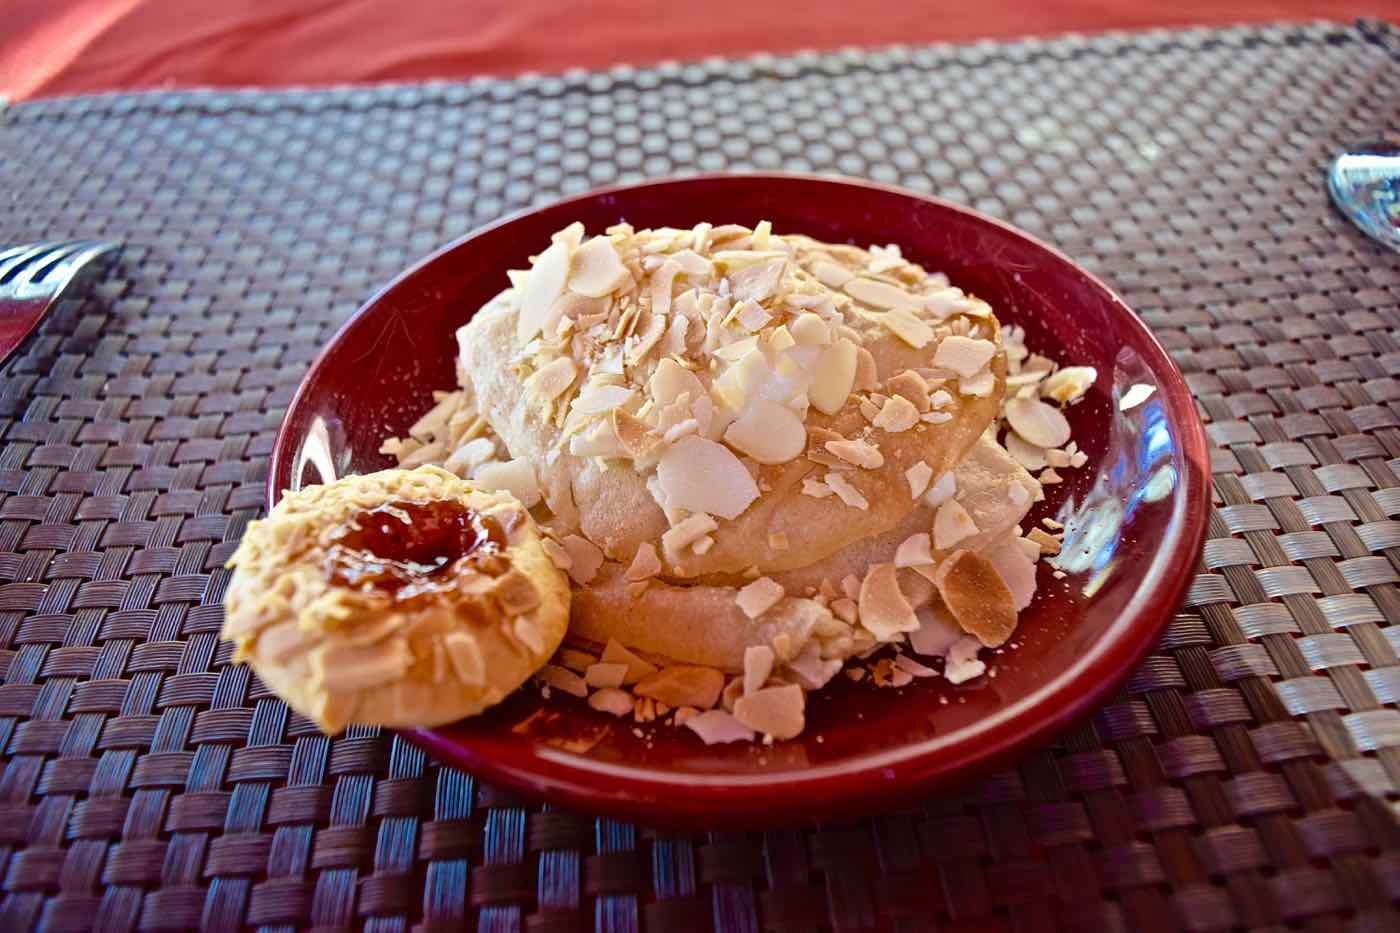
x=340, y=655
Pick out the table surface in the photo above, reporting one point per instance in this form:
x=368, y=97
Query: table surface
x=1248, y=774
x=53, y=47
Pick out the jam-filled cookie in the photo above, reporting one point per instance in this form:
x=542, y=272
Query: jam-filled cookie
x=400, y=598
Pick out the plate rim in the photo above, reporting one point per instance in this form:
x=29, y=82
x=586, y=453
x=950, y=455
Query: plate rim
x=691, y=799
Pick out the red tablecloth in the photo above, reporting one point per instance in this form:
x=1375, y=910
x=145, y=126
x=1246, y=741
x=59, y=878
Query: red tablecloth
x=53, y=47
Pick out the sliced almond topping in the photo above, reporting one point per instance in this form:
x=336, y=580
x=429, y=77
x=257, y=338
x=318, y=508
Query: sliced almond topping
x=552, y=379
x=884, y=611
x=758, y=664
x=514, y=476
x=943, y=489
x=671, y=380
x=845, y=610
x=914, y=551
x=980, y=385
x=775, y=711
x=1038, y=423
x=940, y=399
x=751, y=316
x=816, y=489
x=977, y=597
x=907, y=328
x=963, y=664
x=597, y=269
x=781, y=339
x=1069, y=383
x=896, y=415
x=604, y=674
x=951, y=524
x=768, y=432
x=965, y=356
x=611, y=700
x=662, y=281
x=557, y=553
x=686, y=532
x=1023, y=452
x=1048, y=477
x=1056, y=458
x=850, y=585
x=810, y=330
x=912, y=667
x=597, y=398
x=716, y=726
x=562, y=679
x=919, y=475
x=846, y=492
x=585, y=558
x=867, y=374
x=637, y=668
x=515, y=592
x=758, y=282
x=465, y=655
x=1015, y=564
x=759, y=596
x=700, y=475
x=831, y=274
x=683, y=685
x=1135, y=396
x=936, y=633
x=911, y=386
x=857, y=452
x=882, y=295
x=634, y=435
x=543, y=286
x=833, y=376
x=645, y=563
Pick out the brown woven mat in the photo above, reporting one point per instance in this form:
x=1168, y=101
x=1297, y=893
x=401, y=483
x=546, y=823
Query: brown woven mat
x=1248, y=775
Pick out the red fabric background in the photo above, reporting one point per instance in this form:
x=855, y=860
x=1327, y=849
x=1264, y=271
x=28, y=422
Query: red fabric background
x=52, y=47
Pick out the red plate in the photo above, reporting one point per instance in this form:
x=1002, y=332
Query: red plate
x=1141, y=502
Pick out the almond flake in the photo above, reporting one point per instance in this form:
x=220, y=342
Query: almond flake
x=884, y=611
x=1019, y=496
x=562, y=679
x=977, y=597
x=543, y=286
x=1135, y=396
x=575, y=660
x=1016, y=568
x=965, y=356
x=912, y=667
x=611, y=700
x=1069, y=383
x=907, y=328
x=597, y=269
x=585, y=558
x=846, y=492
x=716, y=726
x=1048, y=477
x=919, y=475
x=936, y=633
x=552, y=379
x=979, y=386
x=465, y=655
x=914, y=551
x=882, y=295
x=946, y=302
x=963, y=664
x=831, y=274
x=833, y=376
x=810, y=330
x=686, y=532
x=940, y=399
x=759, y=596
x=751, y=315
x=943, y=489
x=857, y=452
x=557, y=553
x=896, y=415
x=597, y=398
x=1024, y=452
x=637, y=668
x=683, y=685
x=850, y=585
x=773, y=711
x=1078, y=459
x=846, y=610
x=867, y=373
x=700, y=475
x=767, y=431
x=633, y=435
x=816, y=489
x=781, y=339
x=1036, y=422
x=912, y=386
x=605, y=674
x=937, y=417
x=645, y=563
x=513, y=476
x=951, y=524
x=758, y=664
x=1048, y=543
x=1057, y=458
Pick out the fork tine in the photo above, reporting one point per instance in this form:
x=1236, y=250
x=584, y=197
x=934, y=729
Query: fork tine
x=33, y=252
x=63, y=261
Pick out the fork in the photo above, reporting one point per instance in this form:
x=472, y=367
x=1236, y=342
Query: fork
x=32, y=277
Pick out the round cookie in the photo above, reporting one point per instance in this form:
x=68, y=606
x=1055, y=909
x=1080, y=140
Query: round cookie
x=400, y=598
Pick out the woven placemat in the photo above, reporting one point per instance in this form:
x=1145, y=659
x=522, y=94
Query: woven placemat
x=1246, y=777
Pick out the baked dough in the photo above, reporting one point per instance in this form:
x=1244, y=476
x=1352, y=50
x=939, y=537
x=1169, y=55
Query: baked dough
x=340, y=653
